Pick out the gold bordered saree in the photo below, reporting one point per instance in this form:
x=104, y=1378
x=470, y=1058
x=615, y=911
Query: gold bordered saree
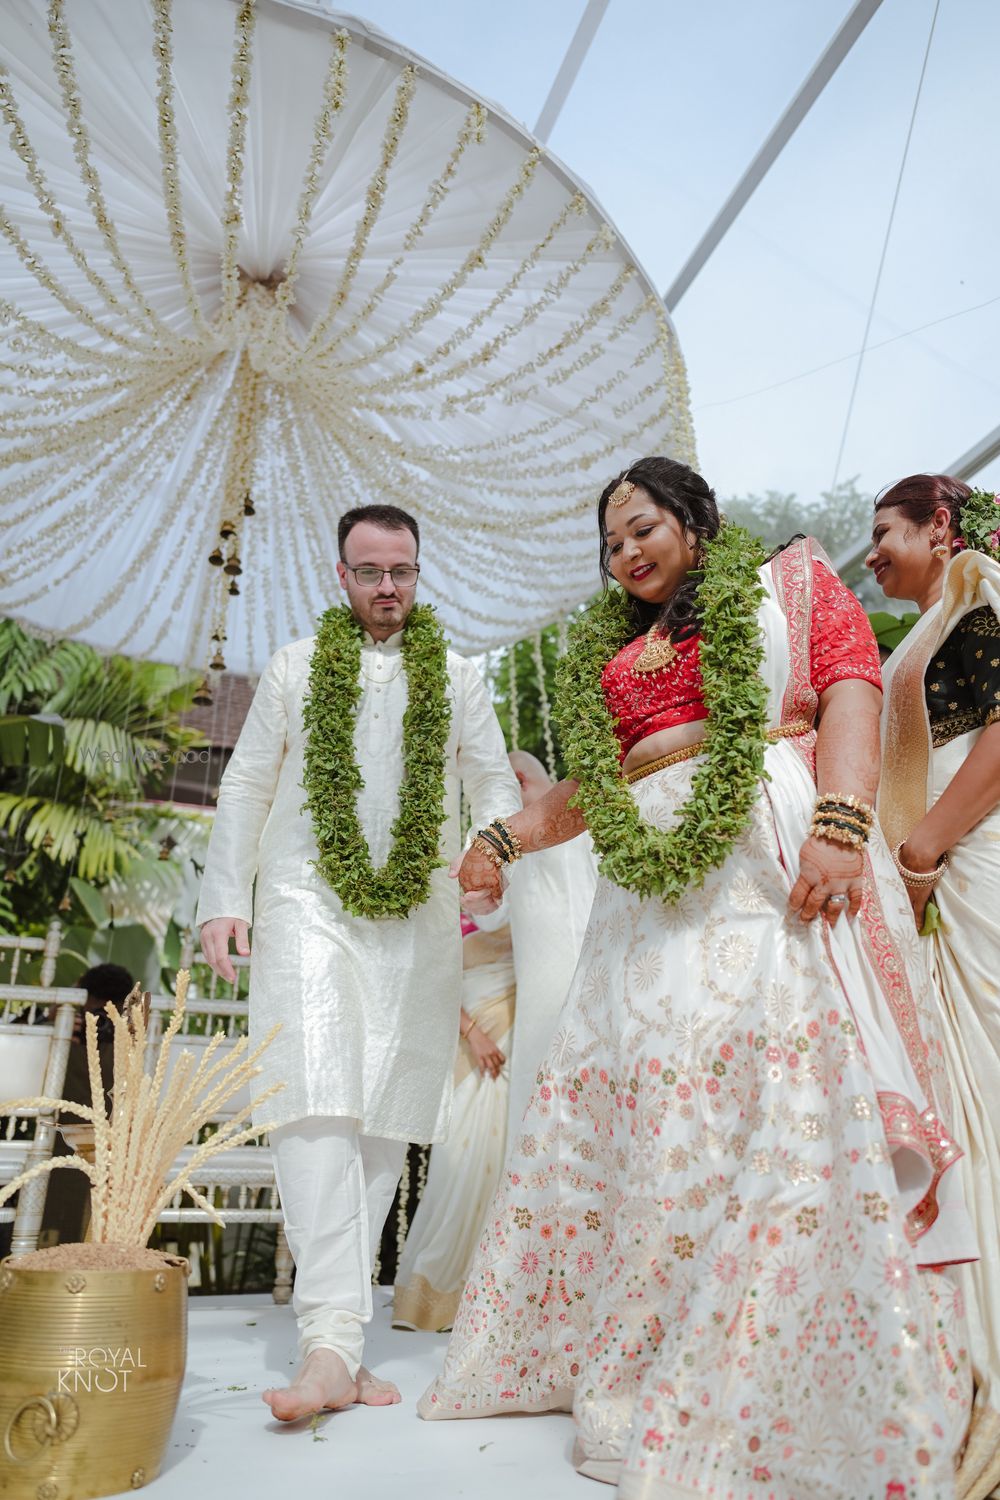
x=964, y=953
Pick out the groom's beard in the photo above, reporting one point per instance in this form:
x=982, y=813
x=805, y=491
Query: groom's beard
x=379, y=613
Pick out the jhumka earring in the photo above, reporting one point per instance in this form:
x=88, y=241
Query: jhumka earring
x=938, y=548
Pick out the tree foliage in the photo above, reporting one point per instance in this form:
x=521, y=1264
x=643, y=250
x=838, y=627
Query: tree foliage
x=837, y=518
x=84, y=742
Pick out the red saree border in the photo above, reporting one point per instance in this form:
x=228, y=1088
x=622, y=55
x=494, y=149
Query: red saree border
x=890, y=970
x=792, y=572
x=924, y=1133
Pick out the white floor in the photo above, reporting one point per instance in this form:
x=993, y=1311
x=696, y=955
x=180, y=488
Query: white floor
x=224, y=1443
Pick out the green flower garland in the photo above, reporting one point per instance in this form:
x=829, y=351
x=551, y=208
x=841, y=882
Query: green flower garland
x=980, y=524
x=332, y=778
x=633, y=854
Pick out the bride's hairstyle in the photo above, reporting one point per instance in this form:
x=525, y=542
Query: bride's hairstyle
x=676, y=488
x=919, y=495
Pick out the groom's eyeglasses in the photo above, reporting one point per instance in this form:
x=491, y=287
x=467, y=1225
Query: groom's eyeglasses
x=369, y=577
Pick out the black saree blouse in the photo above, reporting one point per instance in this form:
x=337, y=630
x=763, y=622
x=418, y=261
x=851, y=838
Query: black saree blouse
x=962, y=683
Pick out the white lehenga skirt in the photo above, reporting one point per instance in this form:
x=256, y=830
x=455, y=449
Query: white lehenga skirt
x=701, y=1244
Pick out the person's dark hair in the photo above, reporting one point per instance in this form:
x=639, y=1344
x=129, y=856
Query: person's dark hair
x=389, y=517
x=676, y=488
x=107, y=982
x=919, y=495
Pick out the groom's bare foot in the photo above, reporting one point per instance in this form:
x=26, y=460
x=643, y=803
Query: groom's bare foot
x=322, y=1384
x=375, y=1392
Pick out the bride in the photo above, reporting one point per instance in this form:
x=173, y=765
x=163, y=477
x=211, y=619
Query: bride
x=736, y=1159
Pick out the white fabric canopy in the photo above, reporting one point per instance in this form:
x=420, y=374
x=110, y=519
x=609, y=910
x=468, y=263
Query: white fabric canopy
x=260, y=253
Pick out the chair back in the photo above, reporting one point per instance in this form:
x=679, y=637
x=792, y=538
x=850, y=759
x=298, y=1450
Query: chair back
x=24, y=1055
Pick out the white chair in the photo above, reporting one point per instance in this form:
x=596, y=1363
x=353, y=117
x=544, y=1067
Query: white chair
x=237, y=1181
x=34, y=1057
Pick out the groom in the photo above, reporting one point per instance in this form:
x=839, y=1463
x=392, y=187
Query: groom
x=359, y=960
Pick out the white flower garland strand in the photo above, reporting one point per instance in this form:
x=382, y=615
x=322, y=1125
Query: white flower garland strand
x=100, y=421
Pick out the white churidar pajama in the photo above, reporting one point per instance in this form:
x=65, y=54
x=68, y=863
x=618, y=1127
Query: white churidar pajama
x=336, y=1189
x=369, y=1009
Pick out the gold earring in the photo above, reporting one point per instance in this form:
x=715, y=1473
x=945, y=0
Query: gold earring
x=938, y=548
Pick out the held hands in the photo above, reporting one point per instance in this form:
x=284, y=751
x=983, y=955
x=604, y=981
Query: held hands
x=215, y=937
x=827, y=870
x=487, y=1055
x=482, y=890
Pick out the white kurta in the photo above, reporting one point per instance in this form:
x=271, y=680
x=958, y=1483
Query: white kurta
x=369, y=1008
x=548, y=903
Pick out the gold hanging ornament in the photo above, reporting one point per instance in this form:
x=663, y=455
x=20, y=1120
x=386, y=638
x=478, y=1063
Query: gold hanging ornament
x=215, y=557
x=202, y=695
x=65, y=904
x=227, y=530
x=218, y=662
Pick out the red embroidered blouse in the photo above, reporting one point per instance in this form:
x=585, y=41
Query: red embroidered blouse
x=841, y=645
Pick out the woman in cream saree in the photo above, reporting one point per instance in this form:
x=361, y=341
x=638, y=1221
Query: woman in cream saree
x=940, y=795
x=465, y=1169
x=709, y=1237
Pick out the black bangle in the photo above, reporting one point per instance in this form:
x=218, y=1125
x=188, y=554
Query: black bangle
x=825, y=821
x=495, y=843
x=503, y=833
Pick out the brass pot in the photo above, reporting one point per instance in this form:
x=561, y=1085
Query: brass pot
x=91, y=1366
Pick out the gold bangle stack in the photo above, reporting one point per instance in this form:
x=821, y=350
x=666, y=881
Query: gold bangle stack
x=498, y=842
x=919, y=880
x=479, y=842
x=842, y=819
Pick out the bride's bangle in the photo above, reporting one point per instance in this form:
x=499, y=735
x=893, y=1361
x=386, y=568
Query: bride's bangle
x=842, y=819
x=919, y=880
x=465, y=1034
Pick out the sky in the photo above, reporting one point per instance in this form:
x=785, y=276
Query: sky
x=672, y=102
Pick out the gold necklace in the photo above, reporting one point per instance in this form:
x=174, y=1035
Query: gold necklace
x=658, y=652
x=379, y=680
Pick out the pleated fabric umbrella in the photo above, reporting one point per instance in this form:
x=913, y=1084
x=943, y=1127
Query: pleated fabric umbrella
x=262, y=265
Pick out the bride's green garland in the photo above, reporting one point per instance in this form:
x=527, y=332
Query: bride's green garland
x=332, y=778
x=633, y=854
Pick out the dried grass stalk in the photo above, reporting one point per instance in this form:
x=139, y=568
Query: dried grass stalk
x=135, y=1149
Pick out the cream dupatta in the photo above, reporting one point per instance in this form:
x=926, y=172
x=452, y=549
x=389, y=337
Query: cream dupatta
x=965, y=957
x=465, y=1169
